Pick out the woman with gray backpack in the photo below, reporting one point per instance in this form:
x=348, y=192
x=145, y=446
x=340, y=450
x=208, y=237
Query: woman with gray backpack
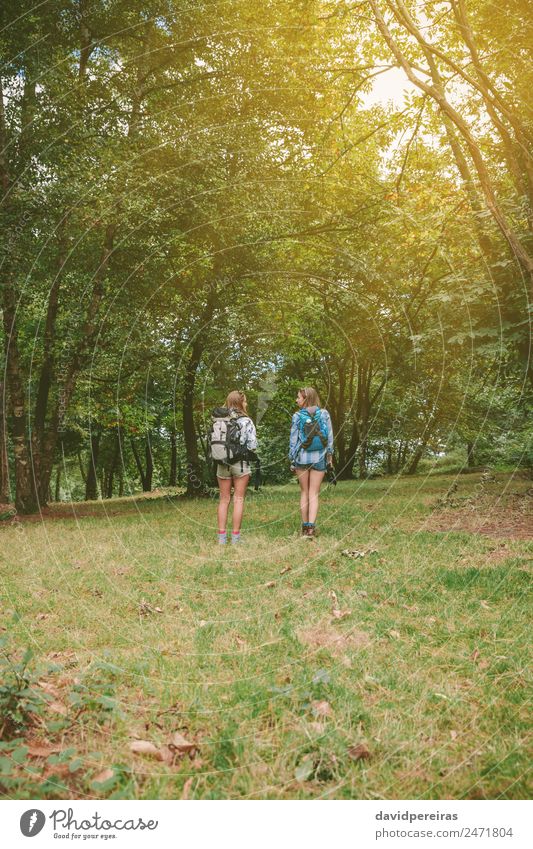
x=310, y=453
x=233, y=442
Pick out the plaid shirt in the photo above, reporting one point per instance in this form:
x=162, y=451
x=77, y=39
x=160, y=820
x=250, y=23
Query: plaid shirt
x=297, y=455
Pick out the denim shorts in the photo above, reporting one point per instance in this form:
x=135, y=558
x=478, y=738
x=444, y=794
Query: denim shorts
x=235, y=470
x=317, y=467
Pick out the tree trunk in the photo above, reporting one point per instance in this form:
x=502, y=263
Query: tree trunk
x=173, y=458
x=346, y=470
x=26, y=499
x=195, y=485
x=91, y=492
x=87, y=333
x=113, y=466
x=82, y=470
x=389, y=458
x=415, y=459
x=4, y=465
x=470, y=458
x=138, y=463
x=194, y=476
x=57, y=493
x=145, y=476
x=86, y=47
x=362, y=460
x=149, y=464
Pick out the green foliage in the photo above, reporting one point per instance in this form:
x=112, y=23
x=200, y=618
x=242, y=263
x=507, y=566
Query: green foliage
x=20, y=700
x=195, y=205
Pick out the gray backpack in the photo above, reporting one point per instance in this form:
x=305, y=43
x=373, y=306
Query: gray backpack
x=225, y=436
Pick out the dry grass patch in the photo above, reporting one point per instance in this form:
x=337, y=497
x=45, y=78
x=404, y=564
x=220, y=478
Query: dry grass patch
x=325, y=636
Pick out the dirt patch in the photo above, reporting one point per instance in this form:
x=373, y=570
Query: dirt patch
x=497, y=527
x=107, y=508
x=74, y=510
x=502, y=515
x=324, y=636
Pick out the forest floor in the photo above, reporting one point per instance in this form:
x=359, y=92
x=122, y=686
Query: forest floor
x=385, y=659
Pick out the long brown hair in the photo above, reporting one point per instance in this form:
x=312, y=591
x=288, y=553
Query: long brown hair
x=311, y=396
x=237, y=400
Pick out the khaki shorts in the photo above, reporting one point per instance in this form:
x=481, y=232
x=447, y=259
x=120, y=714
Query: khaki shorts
x=235, y=470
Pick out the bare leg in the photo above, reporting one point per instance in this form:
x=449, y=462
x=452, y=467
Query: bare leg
x=315, y=479
x=239, y=492
x=303, y=480
x=224, y=485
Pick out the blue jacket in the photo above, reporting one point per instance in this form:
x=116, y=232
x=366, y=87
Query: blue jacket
x=301, y=455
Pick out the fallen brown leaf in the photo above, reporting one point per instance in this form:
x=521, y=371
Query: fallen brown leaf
x=285, y=570
x=42, y=751
x=186, y=788
x=359, y=752
x=145, y=608
x=67, y=658
x=58, y=707
x=180, y=744
x=340, y=614
x=48, y=688
x=321, y=708
x=167, y=755
x=270, y=584
x=104, y=775
x=475, y=654
x=145, y=747
x=395, y=634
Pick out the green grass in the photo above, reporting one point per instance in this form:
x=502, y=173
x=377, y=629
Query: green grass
x=428, y=669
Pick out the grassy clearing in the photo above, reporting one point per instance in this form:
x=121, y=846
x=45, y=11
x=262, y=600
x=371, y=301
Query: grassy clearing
x=140, y=626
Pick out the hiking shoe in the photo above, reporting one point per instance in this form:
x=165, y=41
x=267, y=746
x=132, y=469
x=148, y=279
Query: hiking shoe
x=311, y=532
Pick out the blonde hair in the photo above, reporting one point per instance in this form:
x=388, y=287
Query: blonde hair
x=237, y=400
x=311, y=396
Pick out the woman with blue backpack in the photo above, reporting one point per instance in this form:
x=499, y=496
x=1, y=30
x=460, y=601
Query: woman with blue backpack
x=310, y=453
